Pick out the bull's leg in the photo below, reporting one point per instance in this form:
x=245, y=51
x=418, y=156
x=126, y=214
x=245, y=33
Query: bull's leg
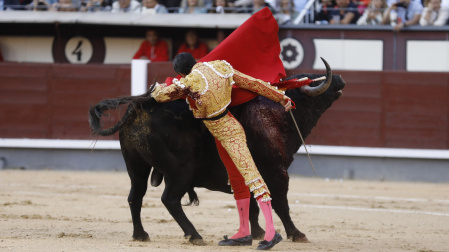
x=256, y=231
x=175, y=188
x=138, y=171
x=138, y=190
x=280, y=206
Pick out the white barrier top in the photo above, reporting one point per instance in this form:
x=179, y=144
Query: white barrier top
x=313, y=149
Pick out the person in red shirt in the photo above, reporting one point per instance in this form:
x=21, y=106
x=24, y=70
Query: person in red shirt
x=152, y=48
x=193, y=46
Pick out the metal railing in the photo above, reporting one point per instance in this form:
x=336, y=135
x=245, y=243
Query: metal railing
x=307, y=15
x=82, y=7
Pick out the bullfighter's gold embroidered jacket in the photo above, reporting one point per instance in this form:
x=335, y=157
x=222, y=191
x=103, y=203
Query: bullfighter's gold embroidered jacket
x=210, y=84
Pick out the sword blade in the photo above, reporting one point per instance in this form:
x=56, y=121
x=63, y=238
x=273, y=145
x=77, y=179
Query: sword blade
x=302, y=139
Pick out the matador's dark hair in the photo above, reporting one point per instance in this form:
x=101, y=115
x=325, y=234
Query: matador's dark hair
x=183, y=63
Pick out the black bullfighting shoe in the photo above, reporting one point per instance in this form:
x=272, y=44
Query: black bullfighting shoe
x=266, y=245
x=244, y=241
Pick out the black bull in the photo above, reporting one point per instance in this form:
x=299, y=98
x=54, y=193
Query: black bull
x=166, y=137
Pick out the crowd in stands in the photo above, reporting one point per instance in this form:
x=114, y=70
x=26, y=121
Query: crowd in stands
x=156, y=49
x=397, y=13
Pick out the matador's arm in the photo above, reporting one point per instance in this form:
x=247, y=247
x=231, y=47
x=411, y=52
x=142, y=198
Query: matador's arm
x=162, y=93
x=257, y=86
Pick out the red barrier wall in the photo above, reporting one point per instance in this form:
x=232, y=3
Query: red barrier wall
x=388, y=109
x=52, y=100
x=377, y=109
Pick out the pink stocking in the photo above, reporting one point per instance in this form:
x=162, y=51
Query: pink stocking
x=269, y=226
x=243, y=208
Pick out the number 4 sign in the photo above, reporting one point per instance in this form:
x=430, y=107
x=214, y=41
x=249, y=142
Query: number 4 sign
x=78, y=50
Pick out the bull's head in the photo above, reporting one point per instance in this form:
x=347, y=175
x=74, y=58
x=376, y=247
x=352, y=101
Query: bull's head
x=313, y=100
x=329, y=89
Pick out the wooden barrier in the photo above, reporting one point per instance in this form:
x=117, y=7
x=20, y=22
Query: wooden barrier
x=52, y=100
x=377, y=109
x=388, y=109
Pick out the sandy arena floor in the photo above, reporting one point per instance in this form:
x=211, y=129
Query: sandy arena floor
x=88, y=211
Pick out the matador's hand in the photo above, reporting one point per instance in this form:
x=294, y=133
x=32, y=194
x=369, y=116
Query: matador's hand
x=286, y=102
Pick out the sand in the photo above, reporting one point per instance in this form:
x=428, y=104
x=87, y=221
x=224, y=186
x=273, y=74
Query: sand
x=88, y=211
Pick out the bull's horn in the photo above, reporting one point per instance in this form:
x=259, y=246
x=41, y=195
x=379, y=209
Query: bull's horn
x=314, y=91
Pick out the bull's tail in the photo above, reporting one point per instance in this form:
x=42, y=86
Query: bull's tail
x=96, y=112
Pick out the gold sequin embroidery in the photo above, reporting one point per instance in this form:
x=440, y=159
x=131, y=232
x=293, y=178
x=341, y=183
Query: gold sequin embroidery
x=231, y=135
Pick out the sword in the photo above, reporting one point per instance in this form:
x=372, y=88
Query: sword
x=297, y=128
x=302, y=139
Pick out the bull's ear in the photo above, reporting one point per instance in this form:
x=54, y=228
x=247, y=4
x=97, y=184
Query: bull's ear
x=152, y=87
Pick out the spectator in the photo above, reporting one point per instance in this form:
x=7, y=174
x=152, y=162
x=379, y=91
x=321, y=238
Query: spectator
x=171, y=5
x=126, y=6
x=152, y=7
x=287, y=12
x=38, y=5
x=403, y=13
x=345, y=13
x=274, y=4
x=363, y=3
x=192, y=6
x=206, y=3
x=97, y=5
x=373, y=15
x=260, y=4
x=299, y=5
x=64, y=5
x=152, y=48
x=193, y=46
x=323, y=16
x=16, y=4
x=241, y=6
x=220, y=6
x=433, y=13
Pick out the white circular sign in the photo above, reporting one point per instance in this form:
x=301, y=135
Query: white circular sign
x=78, y=50
x=292, y=53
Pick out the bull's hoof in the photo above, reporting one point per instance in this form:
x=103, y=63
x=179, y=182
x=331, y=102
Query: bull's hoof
x=197, y=242
x=144, y=237
x=258, y=235
x=302, y=239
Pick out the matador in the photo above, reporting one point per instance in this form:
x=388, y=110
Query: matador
x=208, y=86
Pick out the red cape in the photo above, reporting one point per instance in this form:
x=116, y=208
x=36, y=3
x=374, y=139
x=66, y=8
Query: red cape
x=253, y=49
